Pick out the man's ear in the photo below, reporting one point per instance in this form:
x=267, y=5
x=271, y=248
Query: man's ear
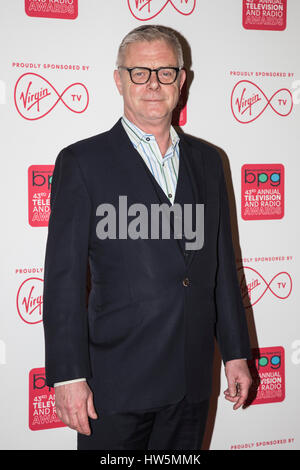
x=182, y=78
x=118, y=81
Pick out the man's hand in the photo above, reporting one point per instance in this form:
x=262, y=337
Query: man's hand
x=239, y=381
x=74, y=403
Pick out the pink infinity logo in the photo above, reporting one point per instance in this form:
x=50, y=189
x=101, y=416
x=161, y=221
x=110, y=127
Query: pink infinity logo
x=248, y=102
x=35, y=97
x=145, y=10
x=30, y=300
x=254, y=290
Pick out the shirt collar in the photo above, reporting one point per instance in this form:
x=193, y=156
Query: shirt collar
x=139, y=136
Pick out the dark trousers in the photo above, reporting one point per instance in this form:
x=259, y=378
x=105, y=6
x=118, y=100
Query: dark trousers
x=179, y=426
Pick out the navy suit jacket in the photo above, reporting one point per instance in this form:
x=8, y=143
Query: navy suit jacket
x=146, y=336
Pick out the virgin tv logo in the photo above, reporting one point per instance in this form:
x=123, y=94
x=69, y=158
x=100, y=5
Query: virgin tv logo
x=264, y=14
x=248, y=102
x=145, y=10
x=63, y=9
x=30, y=300
x=35, y=96
x=254, y=286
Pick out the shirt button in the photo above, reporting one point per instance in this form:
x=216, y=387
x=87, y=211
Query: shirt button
x=170, y=195
x=147, y=138
x=186, y=282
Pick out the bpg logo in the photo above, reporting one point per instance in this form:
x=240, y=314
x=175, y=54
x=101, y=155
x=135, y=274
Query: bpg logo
x=248, y=102
x=39, y=190
x=145, y=10
x=262, y=191
x=64, y=9
x=268, y=372
x=30, y=300
x=274, y=362
x=258, y=177
x=264, y=14
x=42, y=411
x=35, y=97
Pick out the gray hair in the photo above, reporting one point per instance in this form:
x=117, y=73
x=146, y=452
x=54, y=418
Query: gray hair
x=151, y=33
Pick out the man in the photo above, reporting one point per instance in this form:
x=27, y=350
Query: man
x=139, y=361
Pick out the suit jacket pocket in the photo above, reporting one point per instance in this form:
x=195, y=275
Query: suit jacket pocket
x=112, y=316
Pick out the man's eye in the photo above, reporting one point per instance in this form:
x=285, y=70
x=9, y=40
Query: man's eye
x=139, y=73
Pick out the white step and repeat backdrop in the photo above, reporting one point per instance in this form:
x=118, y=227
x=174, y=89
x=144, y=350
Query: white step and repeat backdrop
x=56, y=87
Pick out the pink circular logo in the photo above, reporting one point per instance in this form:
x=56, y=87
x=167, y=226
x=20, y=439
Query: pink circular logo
x=255, y=286
x=30, y=300
x=248, y=102
x=35, y=97
x=145, y=10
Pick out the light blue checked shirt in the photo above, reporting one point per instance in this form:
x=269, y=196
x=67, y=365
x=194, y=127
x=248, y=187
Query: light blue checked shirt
x=163, y=168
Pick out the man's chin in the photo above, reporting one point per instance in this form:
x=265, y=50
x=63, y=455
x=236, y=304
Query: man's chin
x=155, y=115
x=154, y=108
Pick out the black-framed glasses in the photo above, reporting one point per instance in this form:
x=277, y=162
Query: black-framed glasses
x=141, y=75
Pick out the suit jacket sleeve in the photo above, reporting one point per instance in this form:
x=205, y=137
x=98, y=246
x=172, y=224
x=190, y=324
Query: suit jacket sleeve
x=65, y=273
x=231, y=327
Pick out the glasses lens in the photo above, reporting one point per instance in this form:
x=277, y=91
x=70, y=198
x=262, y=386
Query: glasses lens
x=139, y=75
x=167, y=75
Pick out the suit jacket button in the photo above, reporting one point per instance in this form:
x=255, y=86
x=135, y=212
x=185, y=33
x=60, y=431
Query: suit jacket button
x=186, y=282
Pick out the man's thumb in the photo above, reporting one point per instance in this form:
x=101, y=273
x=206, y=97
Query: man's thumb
x=232, y=388
x=90, y=408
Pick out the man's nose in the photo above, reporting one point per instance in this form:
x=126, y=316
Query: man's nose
x=153, y=80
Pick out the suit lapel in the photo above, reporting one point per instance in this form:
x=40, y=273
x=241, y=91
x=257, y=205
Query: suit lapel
x=140, y=181
x=134, y=169
x=194, y=164
x=194, y=169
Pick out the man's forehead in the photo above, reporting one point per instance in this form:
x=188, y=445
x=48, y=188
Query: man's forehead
x=155, y=50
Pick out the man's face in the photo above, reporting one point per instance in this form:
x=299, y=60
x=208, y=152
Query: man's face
x=151, y=102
